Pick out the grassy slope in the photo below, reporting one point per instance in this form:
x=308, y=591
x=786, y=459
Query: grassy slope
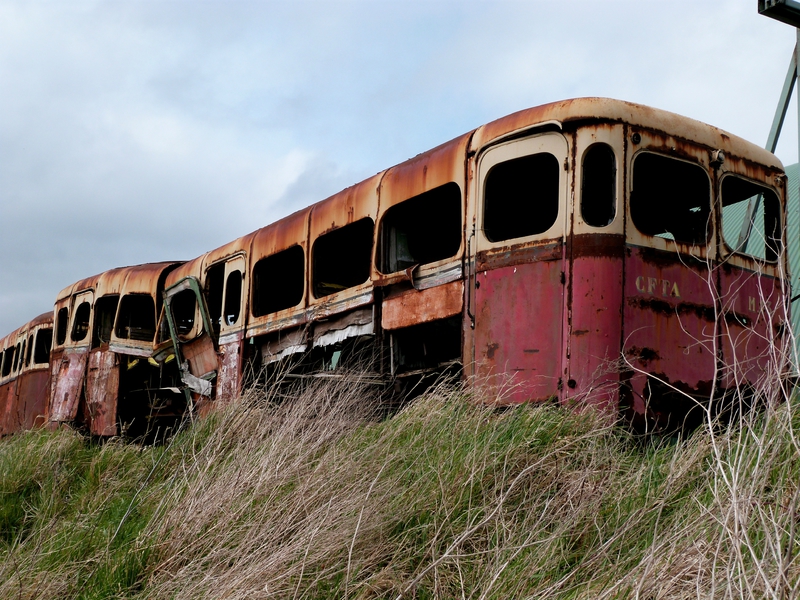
x=316, y=498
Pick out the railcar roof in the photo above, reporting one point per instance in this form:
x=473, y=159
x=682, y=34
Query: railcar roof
x=11, y=338
x=146, y=273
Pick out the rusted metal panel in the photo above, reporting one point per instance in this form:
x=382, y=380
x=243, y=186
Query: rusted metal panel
x=201, y=355
x=581, y=109
x=229, y=376
x=595, y=322
x=33, y=389
x=11, y=421
x=102, y=389
x=416, y=307
x=518, y=330
x=669, y=324
x=67, y=376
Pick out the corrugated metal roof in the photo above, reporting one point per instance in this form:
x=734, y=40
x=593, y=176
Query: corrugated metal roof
x=793, y=237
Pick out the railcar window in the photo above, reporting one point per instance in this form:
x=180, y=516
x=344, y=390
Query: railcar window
x=30, y=350
x=671, y=199
x=23, y=353
x=80, y=326
x=765, y=234
x=105, y=309
x=214, y=278
x=184, y=306
x=8, y=361
x=421, y=230
x=137, y=318
x=599, y=186
x=342, y=257
x=278, y=281
x=521, y=197
x=233, y=297
x=4, y=358
x=44, y=340
x=61, y=325
x=16, y=358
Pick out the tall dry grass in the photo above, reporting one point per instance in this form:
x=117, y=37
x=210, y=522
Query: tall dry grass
x=313, y=494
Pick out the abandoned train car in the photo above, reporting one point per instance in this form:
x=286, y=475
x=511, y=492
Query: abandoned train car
x=589, y=250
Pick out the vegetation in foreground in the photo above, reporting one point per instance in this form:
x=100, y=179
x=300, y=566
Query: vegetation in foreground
x=317, y=497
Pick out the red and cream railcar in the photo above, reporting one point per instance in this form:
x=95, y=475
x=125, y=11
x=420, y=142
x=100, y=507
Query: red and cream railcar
x=24, y=375
x=588, y=250
x=102, y=371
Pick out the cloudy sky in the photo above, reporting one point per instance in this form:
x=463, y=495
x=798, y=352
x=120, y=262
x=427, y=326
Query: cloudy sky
x=135, y=131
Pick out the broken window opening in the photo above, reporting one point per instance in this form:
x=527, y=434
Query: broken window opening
x=15, y=368
x=521, y=197
x=8, y=361
x=183, y=306
x=44, y=340
x=233, y=297
x=61, y=325
x=278, y=281
x=671, y=199
x=105, y=309
x=342, y=257
x=137, y=318
x=30, y=351
x=599, y=186
x=213, y=291
x=80, y=326
x=23, y=352
x=765, y=238
x=421, y=230
x=426, y=346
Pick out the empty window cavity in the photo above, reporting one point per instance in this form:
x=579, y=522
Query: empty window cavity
x=599, y=186
x=23, y=352
x=278, y=281
x=671, y=199
x=8, y=361
x=80, y=325
x=16, y=358
x=342, y=257
x=61, y=325
x=30, y=350
x=764, y=241
x=105, y=309
x=521, y=197
x=183, y=306
x=44, y=340
x=137, y=318
x=213, y=291
x=421, y=230
x=233, y=297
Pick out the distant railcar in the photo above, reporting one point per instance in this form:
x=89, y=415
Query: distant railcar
x=588, y=251
x=25, y=375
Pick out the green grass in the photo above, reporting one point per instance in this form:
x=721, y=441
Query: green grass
x=320, y=498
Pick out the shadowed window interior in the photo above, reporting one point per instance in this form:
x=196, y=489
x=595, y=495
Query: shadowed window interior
x=105, y=309
x=342, y=257
x=764, y=241
x=80, y=324
x=137, y=318
x=183, y=306
x=599, y=186
x=30, y=350
x=521, y=197
x=671, y=199
x=233, y=297
x=16, y=358
x=8, y=359
x=213, y=292
x=22, y=353
x=421, y=230
x=44, y=339
x=278, y=281
x=62, y=318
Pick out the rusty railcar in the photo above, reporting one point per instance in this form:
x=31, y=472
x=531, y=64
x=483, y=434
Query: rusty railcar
x=102, y=372
x=589, y=250
x=24, y=375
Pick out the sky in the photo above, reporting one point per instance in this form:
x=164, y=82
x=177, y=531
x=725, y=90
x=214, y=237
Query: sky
x=138, y=131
